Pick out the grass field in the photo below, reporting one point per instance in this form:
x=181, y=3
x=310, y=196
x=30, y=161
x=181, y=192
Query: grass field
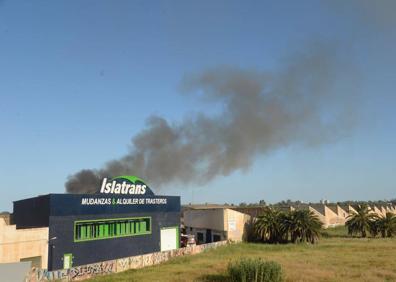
x=335, y=258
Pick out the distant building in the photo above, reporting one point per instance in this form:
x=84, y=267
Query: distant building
x=211, y=223
x=333, y=215
x=329, y=215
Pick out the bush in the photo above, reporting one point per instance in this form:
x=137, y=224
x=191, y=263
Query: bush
x=257, y=270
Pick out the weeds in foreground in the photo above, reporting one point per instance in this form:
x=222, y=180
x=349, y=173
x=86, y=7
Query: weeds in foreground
x=248, y=270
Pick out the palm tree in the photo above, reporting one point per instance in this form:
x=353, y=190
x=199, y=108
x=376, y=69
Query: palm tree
x=387, y=225
x=267, y=225
x=361, y=222
x=303, y=226
x=374, y=228
x=284, y=232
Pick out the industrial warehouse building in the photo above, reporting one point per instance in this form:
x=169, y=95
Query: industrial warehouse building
x=124, y=218
x=212, y=223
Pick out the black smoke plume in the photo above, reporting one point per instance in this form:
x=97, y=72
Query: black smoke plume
x=261, y=112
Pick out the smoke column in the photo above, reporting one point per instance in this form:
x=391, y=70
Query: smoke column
x=261, y=112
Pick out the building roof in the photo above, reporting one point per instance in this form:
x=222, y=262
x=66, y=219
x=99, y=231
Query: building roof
x=333, y=207
x=206, y=206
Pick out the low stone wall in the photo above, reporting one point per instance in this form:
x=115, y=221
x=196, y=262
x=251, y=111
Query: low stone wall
x=112, y=266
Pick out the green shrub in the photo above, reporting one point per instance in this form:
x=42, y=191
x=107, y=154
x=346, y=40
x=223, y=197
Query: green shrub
x=254, y=270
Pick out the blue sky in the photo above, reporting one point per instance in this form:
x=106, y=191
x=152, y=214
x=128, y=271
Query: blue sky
x=78, y=79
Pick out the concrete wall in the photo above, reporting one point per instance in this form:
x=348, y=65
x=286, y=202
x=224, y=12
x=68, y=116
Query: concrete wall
x=334, y=218
x=321, y=216
x=328, y=217
x=113, y=266
x=342, y=213
x=235, y=224
x=19, y=244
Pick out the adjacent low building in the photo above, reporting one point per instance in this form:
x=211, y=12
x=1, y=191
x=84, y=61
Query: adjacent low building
x=30, y=244
x=212, y=223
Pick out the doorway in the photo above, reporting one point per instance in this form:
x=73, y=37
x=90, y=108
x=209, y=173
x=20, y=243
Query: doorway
x=169, y=238
x=67, y=261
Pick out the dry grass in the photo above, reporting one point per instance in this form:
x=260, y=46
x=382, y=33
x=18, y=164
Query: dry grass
x=336, y=258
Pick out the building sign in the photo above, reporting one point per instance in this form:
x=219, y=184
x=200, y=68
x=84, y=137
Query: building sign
x=123, y=201
x=124, y=185
x=232, y=225
x=133, y=188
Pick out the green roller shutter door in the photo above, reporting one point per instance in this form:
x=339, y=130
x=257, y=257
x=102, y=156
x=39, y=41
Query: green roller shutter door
x=143, y=226
x=106, y=231
x=118, y=228
x=123, y=229
x=83, y=230
x=101, y=230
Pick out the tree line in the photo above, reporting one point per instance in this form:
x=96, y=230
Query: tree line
x=363, y=222
x=274, y=226
x=297, y=226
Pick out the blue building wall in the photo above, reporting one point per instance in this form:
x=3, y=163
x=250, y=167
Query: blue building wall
x=60, y=211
